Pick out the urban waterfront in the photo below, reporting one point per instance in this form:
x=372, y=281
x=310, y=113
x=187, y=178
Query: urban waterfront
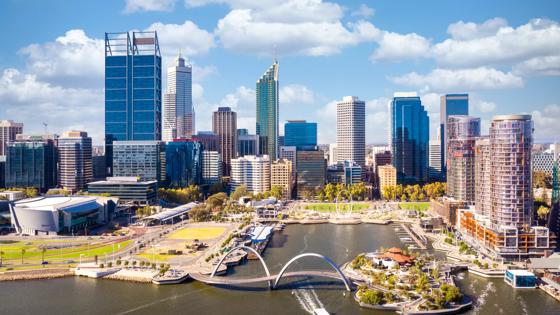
x=339, y=242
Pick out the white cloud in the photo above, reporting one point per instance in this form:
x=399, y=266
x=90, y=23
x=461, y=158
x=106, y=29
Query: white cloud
x=470, y=30
x=132, y=6
x=546, y=66
x=546, y=122
x=508, y=45
x=481, y=78
x=187, y=38
x=394, y=46
x=364, y=11
x=74, y=59
x=26, y=99
x=240, y=31
x=296, y=94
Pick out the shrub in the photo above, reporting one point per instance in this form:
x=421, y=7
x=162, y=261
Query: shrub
x=109, y=264
x=373, y=297
x=101, y=266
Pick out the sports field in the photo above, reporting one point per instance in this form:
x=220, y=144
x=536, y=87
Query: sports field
x=200, y=233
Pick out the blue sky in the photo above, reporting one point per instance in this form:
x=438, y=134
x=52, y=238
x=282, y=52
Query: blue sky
x=505, y=54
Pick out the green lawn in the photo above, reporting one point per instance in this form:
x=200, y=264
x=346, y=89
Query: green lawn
x=200, y=233
x=419, y=206
x=34, y=252
x=331, y=207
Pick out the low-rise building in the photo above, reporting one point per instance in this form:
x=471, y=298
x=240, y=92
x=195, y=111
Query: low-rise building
x=387, y=177
x=447, y=209
x=129, y=190
x=52, y=215
x=281, y=175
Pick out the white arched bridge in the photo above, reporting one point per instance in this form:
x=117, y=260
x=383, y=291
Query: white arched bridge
x=273, y=280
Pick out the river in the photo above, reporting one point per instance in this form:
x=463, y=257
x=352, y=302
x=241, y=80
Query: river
x=339, y=242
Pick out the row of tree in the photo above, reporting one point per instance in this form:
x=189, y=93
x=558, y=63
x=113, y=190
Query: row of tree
x=330, y=192
x=180, y=195
x=414, y=192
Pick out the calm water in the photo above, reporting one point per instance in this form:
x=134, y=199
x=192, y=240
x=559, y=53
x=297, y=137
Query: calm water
x=341, y=243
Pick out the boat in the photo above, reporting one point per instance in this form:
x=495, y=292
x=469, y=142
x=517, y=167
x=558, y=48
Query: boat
x=320, y=311
x=173, y=276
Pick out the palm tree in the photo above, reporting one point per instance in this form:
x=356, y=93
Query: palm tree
x=22, y=253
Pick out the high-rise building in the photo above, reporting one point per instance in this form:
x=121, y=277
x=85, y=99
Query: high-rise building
x=224, y=124
x=505, y=230
x=346, y=173
x=289, y=153
x=183, y=163
x=434, y=173
x=268, y=111
x=300, y=133
x=332, y=154
x=450, y=104
x=543, y=162
x=482, y=175
x=247, y=144
x=511, y=139
x=251, y=171
x=410, y=132
x=387, y=175
x=462, y=132
x=178, y=112
x=8, y=132
x=381, y=158
x=210, y=141
x=351, y=130
x=132, y=89
x=142, y=159
x=211, y=167
x=281, y=175
x=75, y=160
x=31, y=161
x=310, y=171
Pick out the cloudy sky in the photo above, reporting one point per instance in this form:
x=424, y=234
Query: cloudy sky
x=505, y=54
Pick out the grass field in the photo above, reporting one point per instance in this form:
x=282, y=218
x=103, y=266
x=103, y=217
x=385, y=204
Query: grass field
x=34, y=252
x=331, y=207
x=419, y=206
x=201, y=233
x=155, y=257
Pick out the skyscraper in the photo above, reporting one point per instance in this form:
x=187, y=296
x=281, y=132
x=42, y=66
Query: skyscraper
x=351, y=130
x=289, y=153
x=210, y=141
x=31, y=162
x=183, y=163
x=311, y=171
x=482, y=175
x=450, y=104
x=435, y=161
x=211, y=167
x=462, y=132
x=410, y=132
x=511, y=191
x=247, y=144
x=8, y=132
x=178, y=112
x=132, y=89
x=224, y=124
x=75, y=160
x=268, y=111
x=143, y=159
x=300, y=133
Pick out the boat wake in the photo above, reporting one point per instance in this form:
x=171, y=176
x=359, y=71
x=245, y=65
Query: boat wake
x=308, y=299
x=481, y=300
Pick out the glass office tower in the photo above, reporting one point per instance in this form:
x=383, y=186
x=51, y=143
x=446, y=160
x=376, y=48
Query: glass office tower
x=183, y=163
x=268, y=112
x=300, y=134
x=132, y=89
x=450, y=104
x=410, y=134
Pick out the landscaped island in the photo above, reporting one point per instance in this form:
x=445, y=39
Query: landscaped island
x=396, y=280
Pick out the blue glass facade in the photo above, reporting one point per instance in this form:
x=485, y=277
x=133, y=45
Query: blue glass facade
x=410, y=134
x=31, y=163
x=300, y=134
x=132, y=89
x=450, y=104
x=268, y=112
x=183, y=163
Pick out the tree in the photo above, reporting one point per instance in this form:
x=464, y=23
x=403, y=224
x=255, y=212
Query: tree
x=543, y=212
x=200, y=214
x=330, y=192
x=216, y=201
x=240, y=191
x=372, y=297
x=217, y=187
x=22, y=253
x=542, y=180
x=306, y=194
x=277, y=192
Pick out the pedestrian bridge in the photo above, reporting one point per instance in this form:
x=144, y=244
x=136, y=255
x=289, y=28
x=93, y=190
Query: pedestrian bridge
x=273, y=280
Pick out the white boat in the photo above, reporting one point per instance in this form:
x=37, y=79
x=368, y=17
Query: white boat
x=320, y=311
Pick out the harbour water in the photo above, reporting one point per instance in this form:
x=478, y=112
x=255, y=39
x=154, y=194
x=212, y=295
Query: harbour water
x=339, y=242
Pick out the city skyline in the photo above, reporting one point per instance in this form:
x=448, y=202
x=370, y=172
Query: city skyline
x=498, y=83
